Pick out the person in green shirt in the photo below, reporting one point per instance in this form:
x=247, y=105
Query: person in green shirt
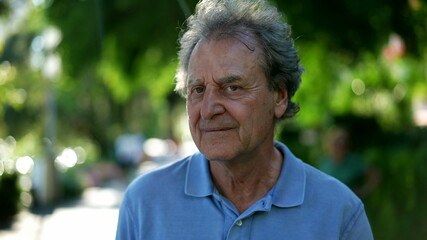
x=345, y=165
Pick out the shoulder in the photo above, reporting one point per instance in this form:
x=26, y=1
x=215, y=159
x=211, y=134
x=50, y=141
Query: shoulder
x=326, y=186
x=334, y=199
x=315, y=183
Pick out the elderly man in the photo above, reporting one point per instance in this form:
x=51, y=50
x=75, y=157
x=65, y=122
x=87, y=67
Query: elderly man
x=238, y=72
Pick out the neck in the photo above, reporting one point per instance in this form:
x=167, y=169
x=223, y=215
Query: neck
x=246, y=181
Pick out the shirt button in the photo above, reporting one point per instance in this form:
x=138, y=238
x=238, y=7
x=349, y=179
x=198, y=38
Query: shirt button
x=239, y=223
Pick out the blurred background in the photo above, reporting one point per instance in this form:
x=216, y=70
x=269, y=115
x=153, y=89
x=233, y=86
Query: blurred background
x=87, y=104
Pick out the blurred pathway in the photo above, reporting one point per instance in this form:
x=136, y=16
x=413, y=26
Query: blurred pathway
x=94, y=216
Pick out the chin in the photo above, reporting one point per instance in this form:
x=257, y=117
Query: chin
x=214, y=156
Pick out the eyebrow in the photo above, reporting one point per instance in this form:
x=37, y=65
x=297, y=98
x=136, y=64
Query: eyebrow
x=223, y=80
x=229, y=79
x=192, y=82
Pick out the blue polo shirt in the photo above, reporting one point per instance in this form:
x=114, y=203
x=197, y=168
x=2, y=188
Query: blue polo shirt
x=180, y=202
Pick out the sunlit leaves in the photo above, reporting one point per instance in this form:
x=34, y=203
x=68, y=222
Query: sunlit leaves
x=155, y=74
x=152, y=74
x=111, y=73
x=368, y=86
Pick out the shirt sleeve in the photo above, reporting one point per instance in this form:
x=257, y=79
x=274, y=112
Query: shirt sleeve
x=126, y=225
x=358, y=227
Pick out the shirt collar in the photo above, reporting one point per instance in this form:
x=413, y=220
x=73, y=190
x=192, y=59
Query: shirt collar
x=288, y=191
x=198, y=181
x=290, y=187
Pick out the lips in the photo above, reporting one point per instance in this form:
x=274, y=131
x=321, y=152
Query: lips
x=215, y=129
x=210, y=127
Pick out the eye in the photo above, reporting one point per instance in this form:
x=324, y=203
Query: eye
x=196, y=92
x=199, y=89
x=232, y=88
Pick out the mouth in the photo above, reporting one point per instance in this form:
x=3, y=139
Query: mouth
x=216, y=129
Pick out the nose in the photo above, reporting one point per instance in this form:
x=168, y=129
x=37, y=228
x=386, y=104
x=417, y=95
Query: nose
x=212, y=103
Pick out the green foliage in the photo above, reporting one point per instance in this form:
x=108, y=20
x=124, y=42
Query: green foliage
x=396, y=207
x=123, y=59
x=318, y=79
x=370, y=87
x=151, y=74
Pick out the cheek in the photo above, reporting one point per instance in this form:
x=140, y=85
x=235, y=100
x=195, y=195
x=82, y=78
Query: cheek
x=251, y=116
x=270, y=107
x=193, y=115
x=266, y=107
x=265, y=113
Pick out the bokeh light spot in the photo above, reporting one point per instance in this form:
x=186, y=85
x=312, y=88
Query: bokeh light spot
x=24, y=165
x=358, y=86
x=67, y=159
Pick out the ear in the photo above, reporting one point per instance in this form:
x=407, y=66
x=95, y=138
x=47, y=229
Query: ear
x=281, y=102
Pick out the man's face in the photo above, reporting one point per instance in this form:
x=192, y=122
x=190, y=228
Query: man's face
x=231, y=109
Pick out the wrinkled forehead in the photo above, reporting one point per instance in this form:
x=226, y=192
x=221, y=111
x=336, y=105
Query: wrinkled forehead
x=243, y=38
x=242, y=34
x=226, y=54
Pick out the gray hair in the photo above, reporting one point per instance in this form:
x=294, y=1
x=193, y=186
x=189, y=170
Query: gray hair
x=215, y=19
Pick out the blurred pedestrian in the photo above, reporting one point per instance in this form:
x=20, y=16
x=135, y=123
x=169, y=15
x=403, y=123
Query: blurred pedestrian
x=346, y=165
x=238, y=71
x=129, y=153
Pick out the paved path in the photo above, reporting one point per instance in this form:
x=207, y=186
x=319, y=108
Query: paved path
x=94, y=216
